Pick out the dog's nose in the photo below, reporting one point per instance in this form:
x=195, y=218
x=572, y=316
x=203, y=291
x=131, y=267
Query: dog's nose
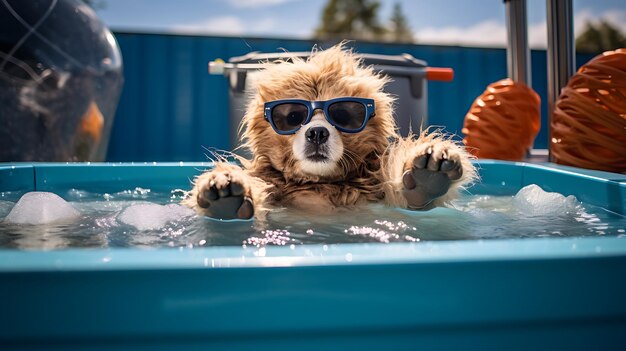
x=317, y=135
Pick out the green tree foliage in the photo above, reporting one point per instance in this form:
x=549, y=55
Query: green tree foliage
x=597, y=38
x=351, y=19
x=399, y=30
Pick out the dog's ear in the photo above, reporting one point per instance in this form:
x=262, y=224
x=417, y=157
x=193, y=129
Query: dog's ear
x=263, y=92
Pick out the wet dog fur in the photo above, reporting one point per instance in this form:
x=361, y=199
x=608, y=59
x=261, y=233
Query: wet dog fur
x=418, y=172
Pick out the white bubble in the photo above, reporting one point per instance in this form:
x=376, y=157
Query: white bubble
x=41, y=208
x=533, y=200
x=150, y=216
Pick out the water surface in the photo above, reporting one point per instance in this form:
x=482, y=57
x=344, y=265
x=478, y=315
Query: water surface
x=136, y=218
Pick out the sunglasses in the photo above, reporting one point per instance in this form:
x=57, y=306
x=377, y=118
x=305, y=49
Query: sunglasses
x=347, y=114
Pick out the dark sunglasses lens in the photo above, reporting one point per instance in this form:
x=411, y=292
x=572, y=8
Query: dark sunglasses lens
x=289, y=116
x=348, y=115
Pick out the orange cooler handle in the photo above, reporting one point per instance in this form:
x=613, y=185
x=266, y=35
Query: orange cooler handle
x=440, y=73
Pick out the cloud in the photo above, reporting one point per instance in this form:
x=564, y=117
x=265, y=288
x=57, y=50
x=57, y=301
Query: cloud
x=491, y=33
x=486, y=33
x=229, y=25
x=538, y=33
x=263, y=26
x=615, y=17
x=256, y=3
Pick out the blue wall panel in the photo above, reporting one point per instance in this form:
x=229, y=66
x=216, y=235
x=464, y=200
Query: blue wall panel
x=154, y=98
x=125, y=139
x=171, y=109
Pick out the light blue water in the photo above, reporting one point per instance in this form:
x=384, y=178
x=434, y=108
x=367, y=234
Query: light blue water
x=133, y=219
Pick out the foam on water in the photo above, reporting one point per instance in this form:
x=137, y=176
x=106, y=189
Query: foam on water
x=41, y=208
x=532, y=200
x=143, y=218
x=152, y=216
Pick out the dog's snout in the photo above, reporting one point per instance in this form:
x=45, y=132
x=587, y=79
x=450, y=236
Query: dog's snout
x=317, y=135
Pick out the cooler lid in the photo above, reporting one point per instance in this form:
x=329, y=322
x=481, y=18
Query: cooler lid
x=403, y=60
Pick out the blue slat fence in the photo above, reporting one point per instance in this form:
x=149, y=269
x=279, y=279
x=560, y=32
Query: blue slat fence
x=171, y=107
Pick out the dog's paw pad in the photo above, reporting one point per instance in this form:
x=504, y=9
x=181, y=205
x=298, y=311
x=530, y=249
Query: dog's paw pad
x=430, y=174
x=452, y=167
x=246, y=210
x=224, y=197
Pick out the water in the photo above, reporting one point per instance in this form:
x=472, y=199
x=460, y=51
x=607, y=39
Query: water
x=142, y=218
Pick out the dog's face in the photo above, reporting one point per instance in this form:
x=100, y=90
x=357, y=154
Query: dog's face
x=318, y=150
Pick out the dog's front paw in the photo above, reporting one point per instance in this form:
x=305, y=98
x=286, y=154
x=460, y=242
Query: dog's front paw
x=430, y=173
x=224, y=195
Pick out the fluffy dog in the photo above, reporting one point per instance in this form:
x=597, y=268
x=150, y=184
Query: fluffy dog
x=319, y=168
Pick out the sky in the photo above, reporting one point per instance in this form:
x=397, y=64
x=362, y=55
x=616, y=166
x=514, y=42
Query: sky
x=448, y=22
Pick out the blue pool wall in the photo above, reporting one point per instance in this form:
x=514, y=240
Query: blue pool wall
x=171, y=107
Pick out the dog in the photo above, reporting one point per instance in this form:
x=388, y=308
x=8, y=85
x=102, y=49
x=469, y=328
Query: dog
x=323, y=137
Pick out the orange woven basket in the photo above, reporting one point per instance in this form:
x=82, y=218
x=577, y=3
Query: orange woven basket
x=503, y=122
x=588, y=127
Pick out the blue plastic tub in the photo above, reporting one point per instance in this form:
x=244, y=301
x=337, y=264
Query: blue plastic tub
x=458, y=295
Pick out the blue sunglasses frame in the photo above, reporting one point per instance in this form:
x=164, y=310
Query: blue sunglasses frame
x=370, y=108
